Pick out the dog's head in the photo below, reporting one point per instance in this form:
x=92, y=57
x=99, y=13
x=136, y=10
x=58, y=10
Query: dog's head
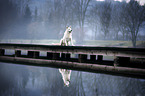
x=69, y=29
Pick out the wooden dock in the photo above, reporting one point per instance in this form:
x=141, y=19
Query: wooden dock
x=128, y=62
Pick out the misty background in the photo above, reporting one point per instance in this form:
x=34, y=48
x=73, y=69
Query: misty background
x=94, y=22
x=89, y=19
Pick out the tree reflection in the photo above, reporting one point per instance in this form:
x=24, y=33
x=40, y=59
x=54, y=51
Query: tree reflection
x=10, y=82
x=17, y=80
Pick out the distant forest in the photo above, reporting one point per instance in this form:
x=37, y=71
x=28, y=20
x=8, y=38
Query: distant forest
x=90, y=19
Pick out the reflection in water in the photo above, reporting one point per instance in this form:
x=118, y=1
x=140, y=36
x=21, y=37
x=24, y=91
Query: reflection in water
x=20, y=80
x=65, y=76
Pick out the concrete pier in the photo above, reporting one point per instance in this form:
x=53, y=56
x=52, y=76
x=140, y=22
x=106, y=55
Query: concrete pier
x=128, y=62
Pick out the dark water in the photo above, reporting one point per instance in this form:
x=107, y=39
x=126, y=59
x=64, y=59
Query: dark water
x=21, y=80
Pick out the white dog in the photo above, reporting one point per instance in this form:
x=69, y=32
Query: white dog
x=65, y=76
x=65, y=41
x=67, y=38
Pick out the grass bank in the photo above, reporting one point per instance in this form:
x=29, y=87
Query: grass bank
x=103, y=43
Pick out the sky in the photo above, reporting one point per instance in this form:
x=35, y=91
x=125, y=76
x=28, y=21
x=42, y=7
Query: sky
x=142, y=2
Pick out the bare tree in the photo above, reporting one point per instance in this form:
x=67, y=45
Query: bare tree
x=115, y=19
x=67, y=11
x=134, y=16
x=123, y=27
x=21, y=5
x=105, y=17
x=81, y=8
x=93, y=19
x=79, y=85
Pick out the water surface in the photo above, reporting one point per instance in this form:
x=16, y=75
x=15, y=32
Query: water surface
x=22, y=80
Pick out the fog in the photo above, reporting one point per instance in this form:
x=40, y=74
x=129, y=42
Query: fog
x=93, y=23
x=89, y=19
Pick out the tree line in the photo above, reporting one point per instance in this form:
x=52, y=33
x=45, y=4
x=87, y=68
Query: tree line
x=108, y=20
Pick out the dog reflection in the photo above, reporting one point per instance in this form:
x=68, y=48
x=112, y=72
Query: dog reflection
x=65, y=76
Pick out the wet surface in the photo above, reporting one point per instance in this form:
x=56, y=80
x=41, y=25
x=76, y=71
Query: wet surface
x=21, y=80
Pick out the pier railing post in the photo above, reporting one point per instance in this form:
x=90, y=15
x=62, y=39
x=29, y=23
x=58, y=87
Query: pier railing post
x=116, y=61
x=63, y=56
x=121, y=61
x=49, y=55
x=82, y=58
x=33, y=54
x=99, y=58
x=68, y=56
x=93, y=58
x=2, y=52
x=56, y=56
x=30, y=54
x=36, y=54
x=17, y=53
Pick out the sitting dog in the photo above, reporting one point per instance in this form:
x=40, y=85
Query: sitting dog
x=67, y=38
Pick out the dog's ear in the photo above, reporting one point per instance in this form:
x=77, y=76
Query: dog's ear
x=66, y=26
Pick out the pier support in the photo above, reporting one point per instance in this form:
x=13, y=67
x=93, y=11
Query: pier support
x=121, y=61
x=49, y=55
x=2, y=52
x=33, y=54
x=99, y=58
x=56, y=56
x=93, y=58
x=53, y=56
x=36, y=54
x=68, y=56
x=82, y=58
x=65, y=56
x=17, y=53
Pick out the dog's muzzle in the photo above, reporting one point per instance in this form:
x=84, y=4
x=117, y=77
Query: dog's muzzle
x=70, y=31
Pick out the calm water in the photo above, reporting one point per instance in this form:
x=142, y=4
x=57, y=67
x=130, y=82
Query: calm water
x=21, y=80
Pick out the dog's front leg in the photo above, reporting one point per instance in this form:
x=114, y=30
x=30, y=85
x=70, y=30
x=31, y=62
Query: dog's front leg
x=72, y=42
x=67, y=43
